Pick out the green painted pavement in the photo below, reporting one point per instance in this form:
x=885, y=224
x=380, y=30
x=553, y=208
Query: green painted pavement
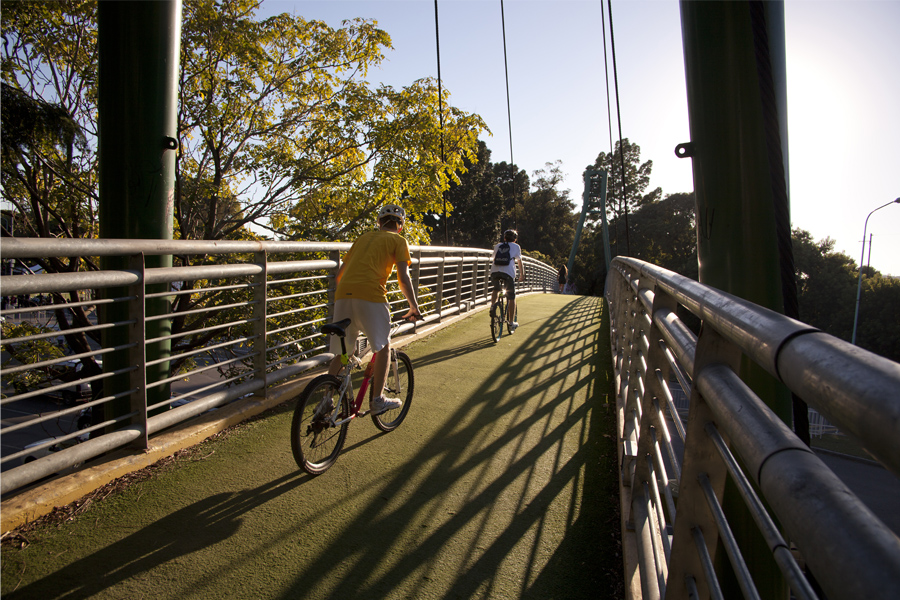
x=501, y=483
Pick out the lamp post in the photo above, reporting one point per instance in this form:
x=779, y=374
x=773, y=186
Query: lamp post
x=859, y=281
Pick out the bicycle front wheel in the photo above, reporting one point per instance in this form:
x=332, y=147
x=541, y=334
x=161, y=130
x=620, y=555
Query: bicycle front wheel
x=399, y=384
x=497, y=320
x=314, y=441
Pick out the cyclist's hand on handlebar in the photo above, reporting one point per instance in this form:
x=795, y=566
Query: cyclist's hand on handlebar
x=413, y=316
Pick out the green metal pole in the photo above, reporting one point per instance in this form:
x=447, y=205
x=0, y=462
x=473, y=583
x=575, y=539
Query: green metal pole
x=139, y=55
x=734, y=180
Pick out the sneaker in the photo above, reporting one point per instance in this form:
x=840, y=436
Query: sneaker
x=513, y=326
x=382, y=404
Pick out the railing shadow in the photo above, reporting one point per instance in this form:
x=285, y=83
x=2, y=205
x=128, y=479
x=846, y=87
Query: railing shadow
x=528, y=446
x=514, y=455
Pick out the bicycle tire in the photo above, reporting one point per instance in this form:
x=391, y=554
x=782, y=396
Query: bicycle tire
x=497, y=320
x=314, y=442
x=390, y=420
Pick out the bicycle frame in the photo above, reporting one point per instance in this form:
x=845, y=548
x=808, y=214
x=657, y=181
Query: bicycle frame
x=345, y=375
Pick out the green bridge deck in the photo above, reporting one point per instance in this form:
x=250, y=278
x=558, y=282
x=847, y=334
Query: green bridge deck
x=501, y=483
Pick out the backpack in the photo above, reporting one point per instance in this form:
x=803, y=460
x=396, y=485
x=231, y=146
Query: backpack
x=502, y=258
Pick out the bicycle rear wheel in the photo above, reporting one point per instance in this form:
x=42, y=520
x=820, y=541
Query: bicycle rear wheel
x=497, y=315
x=399, y=384
x=314, y=442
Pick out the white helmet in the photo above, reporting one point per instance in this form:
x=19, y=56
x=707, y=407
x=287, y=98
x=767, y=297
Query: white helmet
x=392, y=211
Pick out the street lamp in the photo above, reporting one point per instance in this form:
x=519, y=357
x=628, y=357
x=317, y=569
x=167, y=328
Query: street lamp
x=859, y=282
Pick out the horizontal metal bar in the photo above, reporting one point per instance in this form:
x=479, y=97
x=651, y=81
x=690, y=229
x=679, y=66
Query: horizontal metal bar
x=57, y=461
x=203, y=350
x=42, y=283
x=35, y=247
x=62, y=359
x=63, y=332
x=197, y=311
x=854, y=389
x=796, y=484
x=60, y=386
x=176, y=336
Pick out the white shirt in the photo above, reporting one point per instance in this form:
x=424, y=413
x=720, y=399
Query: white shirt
x=515, y=251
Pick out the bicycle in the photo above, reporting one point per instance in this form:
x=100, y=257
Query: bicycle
x=498, y=315
x=326, y=407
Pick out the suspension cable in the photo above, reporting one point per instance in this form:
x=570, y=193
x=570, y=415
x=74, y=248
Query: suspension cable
x=612, y=39
x=437, y=37
x=608, y=108
x=512, y=160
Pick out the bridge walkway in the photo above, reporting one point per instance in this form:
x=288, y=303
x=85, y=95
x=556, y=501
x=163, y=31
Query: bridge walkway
x=502, y=483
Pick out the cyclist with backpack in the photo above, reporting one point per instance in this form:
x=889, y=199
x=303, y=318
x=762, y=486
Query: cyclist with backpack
x=507, y=255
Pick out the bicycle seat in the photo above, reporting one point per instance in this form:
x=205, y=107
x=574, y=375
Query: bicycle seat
x=337, y=329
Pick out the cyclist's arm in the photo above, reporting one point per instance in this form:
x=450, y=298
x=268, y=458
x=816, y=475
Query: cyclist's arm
x=521, y=268
x=406, y=287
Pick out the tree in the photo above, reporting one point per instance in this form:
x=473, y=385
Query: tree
x=826, y=284
x=49, y=106
x=278, y=114
x=636, y=179
x=547, y=219
x=664, y=233
x=878, y=329
x=476, y=205
x=514, y=186
x=277, y=126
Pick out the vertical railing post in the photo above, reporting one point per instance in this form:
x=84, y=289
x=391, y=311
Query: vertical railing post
x=439, y=291
x=416, y=275
x=334, y=255
x=259, y=294
x=700, y=456
x=137, y=351
x=473, y=293
x=459, y=279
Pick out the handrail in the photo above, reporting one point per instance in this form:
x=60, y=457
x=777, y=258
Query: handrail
x=266, y=333
x=731, y=433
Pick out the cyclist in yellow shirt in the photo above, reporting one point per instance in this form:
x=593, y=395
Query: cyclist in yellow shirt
x=361, y=296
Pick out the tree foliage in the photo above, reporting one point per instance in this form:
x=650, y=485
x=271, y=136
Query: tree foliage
x=278, y=114
x=547, y=219
x=625, y=192
x=664, y=233
x=477, y=206
x=49, y=118
x=277, y=126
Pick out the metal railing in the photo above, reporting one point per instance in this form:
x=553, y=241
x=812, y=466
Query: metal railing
x=244, y=315
x=674, y=501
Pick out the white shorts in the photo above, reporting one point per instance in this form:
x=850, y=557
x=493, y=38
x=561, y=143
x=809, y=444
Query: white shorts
x=372, y=318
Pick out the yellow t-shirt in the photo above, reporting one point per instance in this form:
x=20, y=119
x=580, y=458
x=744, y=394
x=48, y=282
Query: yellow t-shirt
x=369, y=263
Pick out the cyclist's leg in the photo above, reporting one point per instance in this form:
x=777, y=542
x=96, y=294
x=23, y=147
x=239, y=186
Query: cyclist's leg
x=495, y=284
x=511, y=299
x=343, y=309
x=375, y=321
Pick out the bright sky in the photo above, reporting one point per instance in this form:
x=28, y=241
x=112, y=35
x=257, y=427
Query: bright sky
x=843, y=90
